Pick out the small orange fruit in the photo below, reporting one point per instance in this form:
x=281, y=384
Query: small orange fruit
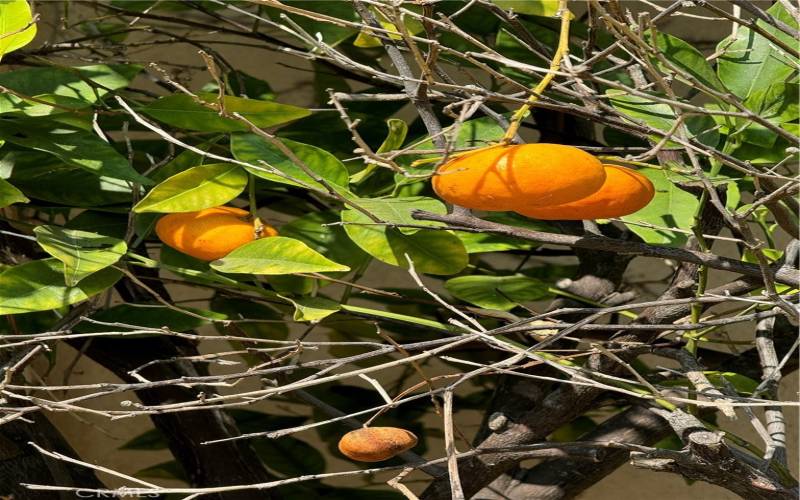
x=501, y=178
x=624, y=192
x=375, y=444
x=209, y=234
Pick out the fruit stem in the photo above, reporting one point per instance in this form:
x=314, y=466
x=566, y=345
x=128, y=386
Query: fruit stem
x=561, y=50
x=251, y=195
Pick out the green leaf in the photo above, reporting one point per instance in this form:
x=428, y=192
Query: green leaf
x=314, y=230
x=671, y=442
x=243, y=85
x=268, y=323
x=187, y=267
x=546, y=8
x=150, y=316
x=661, y=116
x=687, y=58
x=497, y=292
x=671, y=208
x=10, y=195
x=365, y=40
x=433, y=252
x=82, y=252
x=398, y=210
x=294, y=285
x=313, y=309
x=398, y=129
x=756, y=154
x=44, y=177
x=749, y=61
x=472, y=133
x=572, y=431
x=181, y=111
x=253, y=149
x=404, y=318
x=195, y=189
x=486, y=242
x=39, y=286
x=49, y=104
x=742, y=384
x=184, y=161
x=84, y=84
x=778, y=104
x=74, y=147
x=17, y=28
x=732, y=196
x=275, y=255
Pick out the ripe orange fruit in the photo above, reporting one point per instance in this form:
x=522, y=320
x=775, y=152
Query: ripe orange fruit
x=501, y=178
x=374, y=444
x=209, y=234
x=624, y=192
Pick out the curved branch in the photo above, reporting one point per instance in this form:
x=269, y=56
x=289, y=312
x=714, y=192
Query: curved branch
x=463, y=222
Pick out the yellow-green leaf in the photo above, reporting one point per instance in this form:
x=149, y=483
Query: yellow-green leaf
x=276, y=255
x=17, y=28
x=39, y=286
x=82, y=252
x=9, y=194
x=183, y=111
x=546, y=8
x=194, y=189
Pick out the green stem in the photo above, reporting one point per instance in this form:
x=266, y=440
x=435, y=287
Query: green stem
x=251, y=195
x=561, y=51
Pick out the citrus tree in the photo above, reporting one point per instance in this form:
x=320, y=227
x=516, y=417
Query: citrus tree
x=502, y=247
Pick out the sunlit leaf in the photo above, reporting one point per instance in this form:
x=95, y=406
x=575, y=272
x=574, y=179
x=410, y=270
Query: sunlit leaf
x=10, y=195
x=316, y=231
x=750, y=61
x=74, y=147
x=397, y=211
x=671, y=208
x=44, y=177
x=394, y=140
x=662, y=117
x=547, y=8
x=497, y=292
x=39, y=286
x=195, y=189
x=84, y=84
x=82, y=252
x=275, y=255
x=17, y=28
x=257, y=151
x=313, y=309
x=434, y=252
x=687, y=59
x=181, y=111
